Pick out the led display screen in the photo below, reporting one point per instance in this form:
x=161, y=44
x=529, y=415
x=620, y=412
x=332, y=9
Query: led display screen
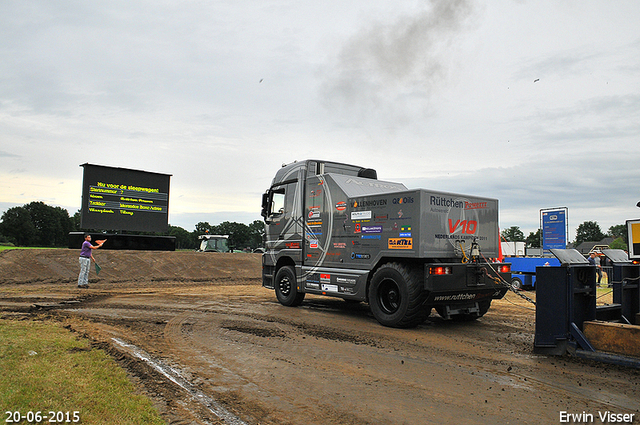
x=124, y=199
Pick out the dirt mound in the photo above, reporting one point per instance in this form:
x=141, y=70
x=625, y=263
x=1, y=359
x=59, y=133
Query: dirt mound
x=61, y=265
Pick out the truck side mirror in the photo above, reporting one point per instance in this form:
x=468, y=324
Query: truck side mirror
x=265, y=205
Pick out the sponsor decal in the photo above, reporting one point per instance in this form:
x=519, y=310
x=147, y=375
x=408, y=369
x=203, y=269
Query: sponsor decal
x=357, y=228
x=371, y=237
x=474, y=205
x=456, y=297
x=465, y=237
x=405, y=200
x=313, y=214
x=371, y=229
x=382, y=217
x=441, y=201
x=346, y=290
x=400, y=243
x=341, y=206
x=370, y=203
x=469, y=227
x=405, y=231
x=329, y=288
x=292, y=245
x=339, y=245
x=315, y=193
x=313, y=243
x=325, y=277
x=360, y=215
x=359, y=256
x=312, y=285
x=346, y=280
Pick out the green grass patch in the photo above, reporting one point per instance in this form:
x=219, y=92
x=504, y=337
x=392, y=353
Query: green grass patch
x=6, y=247
x=46, y=368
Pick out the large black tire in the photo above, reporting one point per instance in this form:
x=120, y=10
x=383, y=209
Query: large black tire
x=286, y=288
x=396, y=296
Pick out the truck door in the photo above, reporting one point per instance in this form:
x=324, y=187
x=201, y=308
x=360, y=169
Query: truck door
x=284, y=228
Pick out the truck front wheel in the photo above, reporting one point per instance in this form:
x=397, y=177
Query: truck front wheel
x=286, y=287
x=396, y=297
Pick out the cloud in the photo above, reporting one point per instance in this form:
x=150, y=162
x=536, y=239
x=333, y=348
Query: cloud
x=388, y=69
x=4, y=154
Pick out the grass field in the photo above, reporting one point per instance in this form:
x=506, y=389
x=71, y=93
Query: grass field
x=47, y=369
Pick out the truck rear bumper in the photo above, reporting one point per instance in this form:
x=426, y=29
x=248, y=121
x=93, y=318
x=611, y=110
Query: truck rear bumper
x=455, y=283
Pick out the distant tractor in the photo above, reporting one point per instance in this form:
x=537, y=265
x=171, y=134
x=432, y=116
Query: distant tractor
x=214, y=243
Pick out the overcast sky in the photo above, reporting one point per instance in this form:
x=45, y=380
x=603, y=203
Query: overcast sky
x=535, y=103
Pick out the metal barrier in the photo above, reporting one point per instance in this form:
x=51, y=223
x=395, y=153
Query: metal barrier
x=626, y=285
x=566, y=305
x=565, y=299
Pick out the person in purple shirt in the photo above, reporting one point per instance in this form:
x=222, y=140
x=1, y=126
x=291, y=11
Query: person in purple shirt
x=85, y=260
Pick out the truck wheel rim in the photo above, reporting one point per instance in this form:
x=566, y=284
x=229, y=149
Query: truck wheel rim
x=285, y=286
x=389, y=296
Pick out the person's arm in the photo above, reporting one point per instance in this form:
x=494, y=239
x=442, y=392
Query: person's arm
x=95, y=247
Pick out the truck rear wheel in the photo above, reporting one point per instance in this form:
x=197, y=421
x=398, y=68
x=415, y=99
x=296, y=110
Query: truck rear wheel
x=286, y=288
x=396, y=297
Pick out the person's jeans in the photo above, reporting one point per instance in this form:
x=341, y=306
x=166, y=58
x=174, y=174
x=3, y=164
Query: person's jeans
x=85, y=265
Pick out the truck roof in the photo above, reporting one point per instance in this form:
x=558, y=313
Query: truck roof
x=354, y=186
x=289, y=171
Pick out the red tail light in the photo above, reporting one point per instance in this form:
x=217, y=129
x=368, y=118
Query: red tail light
x=438, y=270
x=504, y=268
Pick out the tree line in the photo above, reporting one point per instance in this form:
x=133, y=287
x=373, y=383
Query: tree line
x=39, y=225
x=589, y=231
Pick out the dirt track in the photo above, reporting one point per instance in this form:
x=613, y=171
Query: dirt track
x=205, y=341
